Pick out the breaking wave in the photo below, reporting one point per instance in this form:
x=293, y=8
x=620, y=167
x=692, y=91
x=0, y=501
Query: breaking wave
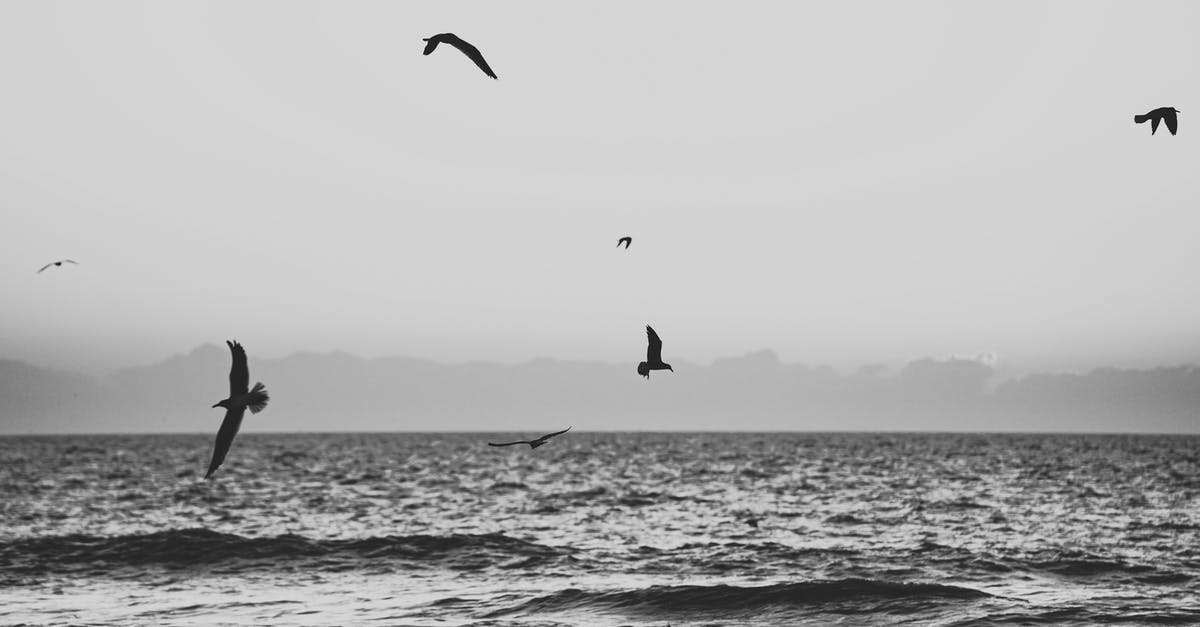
x=185, y=548
x=863, y=594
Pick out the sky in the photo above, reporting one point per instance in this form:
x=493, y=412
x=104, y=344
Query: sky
x=841, y=182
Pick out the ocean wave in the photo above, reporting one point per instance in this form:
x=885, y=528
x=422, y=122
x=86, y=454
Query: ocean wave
x=863, y=594
x=1085, y=615
x=1073, y=564
x=1084, y=564
x=845, y=519
x=1089, y=567
x=1166, y=525
x=764, y=559
x=183, y=548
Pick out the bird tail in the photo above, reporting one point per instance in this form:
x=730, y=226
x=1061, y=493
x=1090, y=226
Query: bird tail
x=258, y=398
x=1138, y=119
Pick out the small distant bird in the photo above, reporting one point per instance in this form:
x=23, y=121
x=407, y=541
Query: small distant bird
x=240, y=399
x=653, y=355
x=471, y=51
x=1164, y=114
x=532, y=443
x=625, y=240
x=58, y=263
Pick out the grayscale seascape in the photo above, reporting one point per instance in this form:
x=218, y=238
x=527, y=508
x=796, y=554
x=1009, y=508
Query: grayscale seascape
x=602, y=529
x=599, y=314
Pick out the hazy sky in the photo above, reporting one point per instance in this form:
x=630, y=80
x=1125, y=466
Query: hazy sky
x=843, y=182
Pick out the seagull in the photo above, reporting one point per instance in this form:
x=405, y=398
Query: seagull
x=625, y=240
x=1165, y=114
x=532, y=443
x=471, y=51
x=58, y=263
x=653, y=355
x=235, y=406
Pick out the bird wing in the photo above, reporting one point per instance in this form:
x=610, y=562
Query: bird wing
x=472, y=53
x=239, y=373
x=1172, y=122
x=1154, y=124
x=71, y=261
x=624, y=240
x=44, y=267
x=509, y=443
x=654, y=349
x=550, y=435
x=229, y=428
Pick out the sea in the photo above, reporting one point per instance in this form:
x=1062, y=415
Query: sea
x=601, y=528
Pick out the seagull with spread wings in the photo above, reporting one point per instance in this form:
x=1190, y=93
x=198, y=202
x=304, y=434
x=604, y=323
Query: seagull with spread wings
x=1161, y=114
x=625, y=240
x=471, y=51
x=241, y=398
x=653, y=355
x=532, y=443
x=58, y=264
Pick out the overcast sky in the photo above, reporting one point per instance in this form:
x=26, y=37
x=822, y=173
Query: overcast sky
x=842, y=182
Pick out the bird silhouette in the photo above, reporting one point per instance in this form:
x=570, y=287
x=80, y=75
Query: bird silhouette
x=625, y=240
x=653, y=355
x=58, y=263
x=532, y=443
x=1163, y=114
x=471, y=51
x=240, y=399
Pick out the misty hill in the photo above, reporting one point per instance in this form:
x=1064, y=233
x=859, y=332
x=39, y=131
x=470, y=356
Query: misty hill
x=337, y=391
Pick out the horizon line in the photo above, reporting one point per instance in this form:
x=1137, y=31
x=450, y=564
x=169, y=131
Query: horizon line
x=610, y=431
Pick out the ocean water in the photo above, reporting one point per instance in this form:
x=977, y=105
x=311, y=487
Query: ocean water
x=601, y=529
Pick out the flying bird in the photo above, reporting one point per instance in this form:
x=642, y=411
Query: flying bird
x=58, y=263
x=653, y=355
x=532, y=443
x=1163, y=114
x=240, y=399
x=625, y=240
x=471, y=51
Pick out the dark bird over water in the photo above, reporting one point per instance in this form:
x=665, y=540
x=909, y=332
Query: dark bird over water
x=240, y=398
x=1164, y=114
x=532, y=443
x=653, y=355
x=471, y=51
x=58, y=263
x=625, y=240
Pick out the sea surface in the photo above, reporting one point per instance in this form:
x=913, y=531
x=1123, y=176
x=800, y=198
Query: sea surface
x=601, y=529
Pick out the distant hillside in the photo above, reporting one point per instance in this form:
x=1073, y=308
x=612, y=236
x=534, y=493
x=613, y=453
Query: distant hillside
x=337, y=391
